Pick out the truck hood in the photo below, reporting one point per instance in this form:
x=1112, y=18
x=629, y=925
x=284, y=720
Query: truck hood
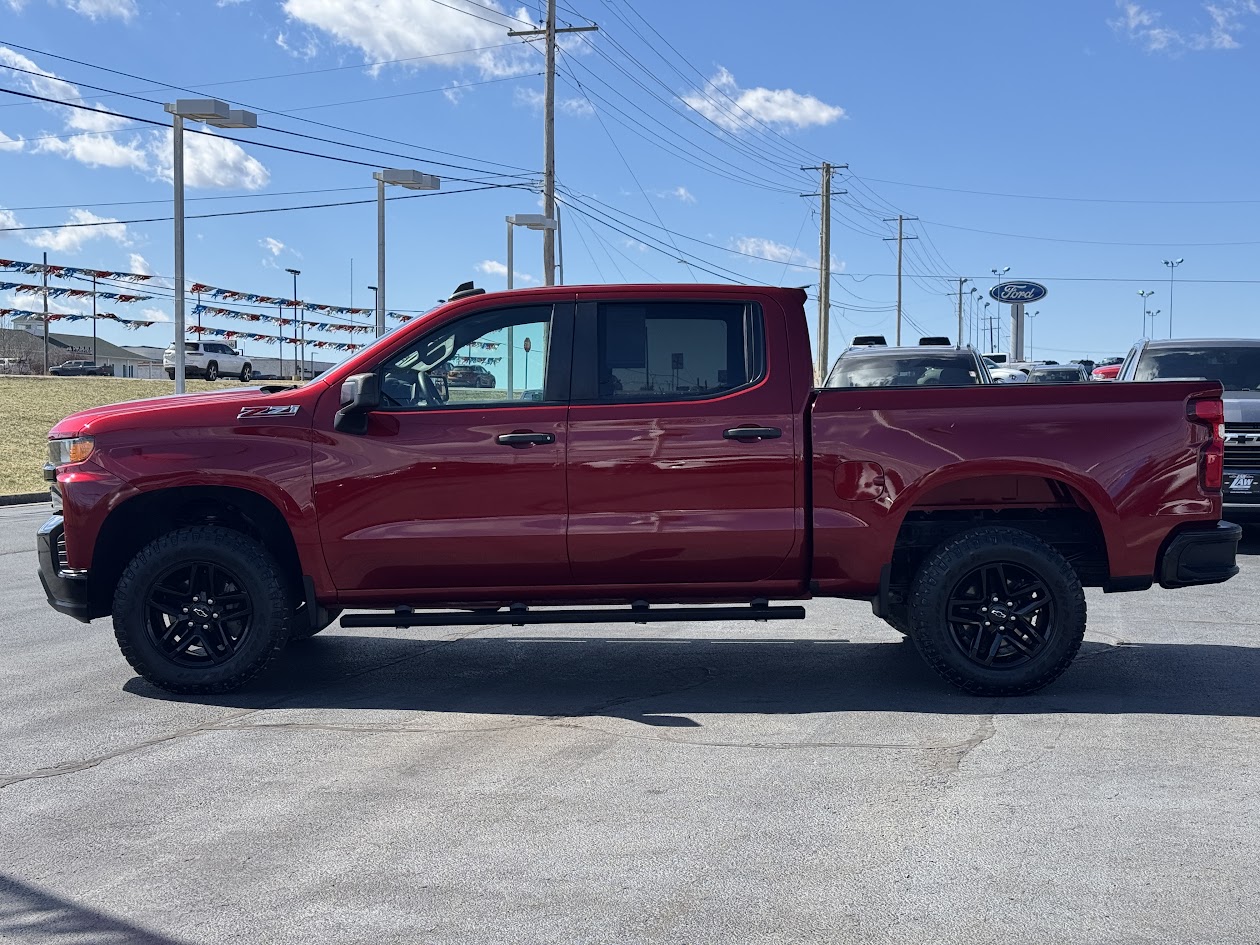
x=1241, y=406
x=202, y=409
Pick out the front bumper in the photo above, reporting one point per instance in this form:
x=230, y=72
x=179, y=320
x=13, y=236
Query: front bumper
x=67, y=589
x=1201, y=556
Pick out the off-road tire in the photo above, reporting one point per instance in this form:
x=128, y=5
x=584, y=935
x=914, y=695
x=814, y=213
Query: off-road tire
x=258, y=576
x=212, y=371
x=247, y=372
x=302, y=628
x=946, y=574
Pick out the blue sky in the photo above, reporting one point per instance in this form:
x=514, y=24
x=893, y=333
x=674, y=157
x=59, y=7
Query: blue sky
x=1080, y=143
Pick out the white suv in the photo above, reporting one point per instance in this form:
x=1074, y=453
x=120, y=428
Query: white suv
x=209, y=359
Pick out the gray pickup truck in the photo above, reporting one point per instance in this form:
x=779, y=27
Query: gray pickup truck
x=82, y=369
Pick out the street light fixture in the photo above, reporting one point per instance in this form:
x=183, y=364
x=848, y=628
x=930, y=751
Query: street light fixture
x=1146, y=294
x=218, y=114
x=1172, y=265
x=1152, y=316
x=1031, y=315
x=408, y=180
x=531, y=221
x=301, y=326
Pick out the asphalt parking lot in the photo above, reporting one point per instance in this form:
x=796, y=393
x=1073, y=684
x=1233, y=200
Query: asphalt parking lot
x=713, y=783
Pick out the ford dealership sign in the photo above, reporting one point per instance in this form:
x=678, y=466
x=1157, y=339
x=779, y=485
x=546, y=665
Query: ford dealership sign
x=1020, y=292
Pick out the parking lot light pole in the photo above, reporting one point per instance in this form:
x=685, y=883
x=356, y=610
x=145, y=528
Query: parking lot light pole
x=1172, y=265
x=301, y=325
x=531, y=221
x=217, y=114
x=1031, y=316
x=1145, y=294
x=409, y=180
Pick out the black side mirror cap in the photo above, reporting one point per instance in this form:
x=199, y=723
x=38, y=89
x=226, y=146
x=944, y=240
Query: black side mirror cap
x=360, y=395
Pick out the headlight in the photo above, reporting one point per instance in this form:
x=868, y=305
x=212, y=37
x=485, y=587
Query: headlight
x=73, y=449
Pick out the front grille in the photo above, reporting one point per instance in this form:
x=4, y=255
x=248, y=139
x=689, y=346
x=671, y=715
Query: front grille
x=1246, y=453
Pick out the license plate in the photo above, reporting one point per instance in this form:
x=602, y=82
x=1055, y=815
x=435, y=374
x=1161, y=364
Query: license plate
x=1241, y=484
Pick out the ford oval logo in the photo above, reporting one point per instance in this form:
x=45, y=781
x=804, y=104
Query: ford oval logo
x=1018, y=292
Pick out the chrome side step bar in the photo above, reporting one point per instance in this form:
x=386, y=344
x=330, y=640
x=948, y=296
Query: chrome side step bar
x=519, y=615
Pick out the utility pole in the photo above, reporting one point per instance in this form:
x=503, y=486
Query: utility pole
x=961, y=282
x=549, y=132
x=45, y=313
x=1172, y=265
x=824, y=267
x=900, y=237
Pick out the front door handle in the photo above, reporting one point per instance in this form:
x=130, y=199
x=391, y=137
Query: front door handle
x=752, y=433
x=524, y=439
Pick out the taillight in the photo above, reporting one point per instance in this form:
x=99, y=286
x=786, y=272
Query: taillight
x=1211, y=413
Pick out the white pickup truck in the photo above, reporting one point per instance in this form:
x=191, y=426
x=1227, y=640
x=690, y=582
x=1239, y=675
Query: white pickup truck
x=209, y=359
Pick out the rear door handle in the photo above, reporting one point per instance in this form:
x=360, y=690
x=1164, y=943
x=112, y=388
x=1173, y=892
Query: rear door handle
x=524, y=439
x=752, y=433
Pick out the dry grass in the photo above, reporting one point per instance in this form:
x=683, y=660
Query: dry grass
x=30, y=406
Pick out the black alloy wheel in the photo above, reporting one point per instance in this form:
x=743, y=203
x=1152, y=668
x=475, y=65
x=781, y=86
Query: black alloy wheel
x=996, y=611
x=1001, y=615
x=202, y=609
x=198, y=613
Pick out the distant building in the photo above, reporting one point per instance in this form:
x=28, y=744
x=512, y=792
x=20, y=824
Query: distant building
x=29, y=346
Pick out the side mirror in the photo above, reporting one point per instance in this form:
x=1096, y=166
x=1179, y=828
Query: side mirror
x=360, y=394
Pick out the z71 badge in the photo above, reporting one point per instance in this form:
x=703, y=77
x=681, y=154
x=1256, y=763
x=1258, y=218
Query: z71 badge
x=255, y=413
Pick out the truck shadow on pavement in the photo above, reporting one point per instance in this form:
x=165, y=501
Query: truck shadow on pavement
x=28, y=914
x=663, y=681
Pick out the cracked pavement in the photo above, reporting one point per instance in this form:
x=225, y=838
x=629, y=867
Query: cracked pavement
x=706, y=783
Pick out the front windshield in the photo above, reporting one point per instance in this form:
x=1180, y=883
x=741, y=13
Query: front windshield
x=908, y=371
x=1236, y=367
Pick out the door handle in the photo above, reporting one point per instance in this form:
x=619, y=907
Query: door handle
x=524, y=439
x=752, y=433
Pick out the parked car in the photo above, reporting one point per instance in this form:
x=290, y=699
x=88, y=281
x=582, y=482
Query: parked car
x=1106, y=369
x=209, y=359
x=1057, y=374
x=927, y=366
x=1001, y=374
x=14, y=366
x=82, y=369
x=469, y=375
x=1235, y=363
x=217, y=528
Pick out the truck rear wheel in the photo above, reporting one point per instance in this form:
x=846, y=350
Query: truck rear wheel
x=997, y=612
x=202, y=610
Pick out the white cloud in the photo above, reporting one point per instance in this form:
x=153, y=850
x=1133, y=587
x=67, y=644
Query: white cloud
x=273, y=245
x=68, y=239
x=306, y=48
x=10, y=144
x=768, y=249
x=681, y=194
x=7, y=221
x=104, y=9
x=735, y=109
x=399, y=29
x=492, y=267
x=209, y=161
x=535, y=100
x=139, y=265
x=153, y=315
x=1145, y=26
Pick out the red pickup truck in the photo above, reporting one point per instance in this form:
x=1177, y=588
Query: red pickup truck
x=653, y=448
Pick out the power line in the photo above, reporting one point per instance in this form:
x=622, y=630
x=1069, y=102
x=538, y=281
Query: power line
x=255, y=108
x=243, y=213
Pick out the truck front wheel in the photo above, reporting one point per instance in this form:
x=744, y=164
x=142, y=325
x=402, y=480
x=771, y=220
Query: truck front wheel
x=202, y=610
x=997, y=612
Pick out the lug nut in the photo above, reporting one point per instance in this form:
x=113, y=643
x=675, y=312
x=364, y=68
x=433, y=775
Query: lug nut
x=215, y=616
x=185, y=610
x=205, y=626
